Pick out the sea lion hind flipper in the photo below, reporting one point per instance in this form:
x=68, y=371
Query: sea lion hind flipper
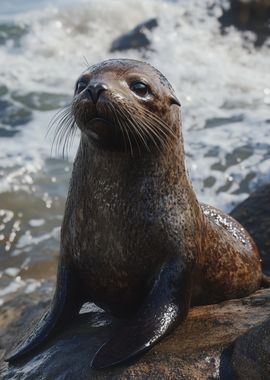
x=63, y=307
x=164, y=307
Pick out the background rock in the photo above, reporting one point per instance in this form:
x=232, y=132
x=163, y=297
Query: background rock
x=249, y=15
x=254, y=215
x=136, y=38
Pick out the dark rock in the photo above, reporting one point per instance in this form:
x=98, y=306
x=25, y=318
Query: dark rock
x=42, y=101
x=10, y=31
x=220, y=121
x=251, y=354
x=254, y=215
x=12, y=116
x=198, y=349
x=238, y=155
x=136, y=38
x=3, y=90
x=250, y=15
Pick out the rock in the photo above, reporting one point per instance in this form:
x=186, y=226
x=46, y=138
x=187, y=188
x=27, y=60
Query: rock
x=198, y=349
x=250, y=15
x=18, y=313
x=251, y=354
x=42, y=101
x=136, y=38
x=3, y=90
x=254, y=215
x=10, y=31
x=12, y=116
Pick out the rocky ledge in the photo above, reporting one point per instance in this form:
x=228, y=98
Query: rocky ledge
x=204, y=347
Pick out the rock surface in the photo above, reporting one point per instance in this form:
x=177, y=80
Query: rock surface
x=198, y=349
x=254, y=215
x=251, y=354
x=135, y=39
x=248, y=15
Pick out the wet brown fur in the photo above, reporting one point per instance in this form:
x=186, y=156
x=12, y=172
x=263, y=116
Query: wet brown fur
x=128, y=211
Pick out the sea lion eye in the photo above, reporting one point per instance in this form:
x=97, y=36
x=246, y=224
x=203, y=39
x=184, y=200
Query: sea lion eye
x=139, y=88
x=81, y=85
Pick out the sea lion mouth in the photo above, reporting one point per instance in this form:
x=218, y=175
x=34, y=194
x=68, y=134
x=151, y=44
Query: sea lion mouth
x=99, y=129
x=100, y=121
x=102, y=132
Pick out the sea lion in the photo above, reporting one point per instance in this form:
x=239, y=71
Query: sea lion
x=134, y=239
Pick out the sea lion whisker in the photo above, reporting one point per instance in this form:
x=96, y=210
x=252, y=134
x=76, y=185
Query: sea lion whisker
x=136, y=127
x=133, y=128
x=143, y=119
x=85, y=61
x=66, y=142
x=72, y=134
x=57, y=137
x=158, y=122
x=136, y=122
x=162, y=126
x=152, y=133
x=117, y=121
x=159, y=133
x=62, y=135
x=127, y=129
x=64, y=123
x=59, y=114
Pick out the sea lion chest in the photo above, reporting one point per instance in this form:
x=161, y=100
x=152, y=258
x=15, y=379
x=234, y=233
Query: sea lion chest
x=118, y=235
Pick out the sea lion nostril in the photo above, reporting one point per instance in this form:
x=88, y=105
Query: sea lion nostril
x=96, y=89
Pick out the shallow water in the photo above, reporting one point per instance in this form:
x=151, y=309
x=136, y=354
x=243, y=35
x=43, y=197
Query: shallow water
x=223, y=83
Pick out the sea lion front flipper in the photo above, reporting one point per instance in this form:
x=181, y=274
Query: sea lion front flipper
x=164, y=307
x=63, y=307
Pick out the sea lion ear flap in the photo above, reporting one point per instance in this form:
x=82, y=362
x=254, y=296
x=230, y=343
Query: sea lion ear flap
x=174, y=100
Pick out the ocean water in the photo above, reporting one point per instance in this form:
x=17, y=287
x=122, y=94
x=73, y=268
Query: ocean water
x=222, y=81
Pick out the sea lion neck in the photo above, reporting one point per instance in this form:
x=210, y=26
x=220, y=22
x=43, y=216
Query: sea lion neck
x=120, y=166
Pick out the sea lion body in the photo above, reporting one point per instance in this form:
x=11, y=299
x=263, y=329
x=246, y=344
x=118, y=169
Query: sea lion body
x=136, y=225
x=134, y=238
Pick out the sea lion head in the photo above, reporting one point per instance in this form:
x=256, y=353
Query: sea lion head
x=126, y=105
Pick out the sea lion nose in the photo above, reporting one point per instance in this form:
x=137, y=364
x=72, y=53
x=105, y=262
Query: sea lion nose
x=96, y=89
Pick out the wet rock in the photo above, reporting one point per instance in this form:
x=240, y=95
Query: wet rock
x=11, y=117
x=42, y=101
x=18, y=313
x=254, y=215
x=198, y=349
x=3, y=90
x=220, y=121
x=248, y=15
x=136, y=38
x=10, y=31
x=209, y=181
x=251, y=354
x=238, y=155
